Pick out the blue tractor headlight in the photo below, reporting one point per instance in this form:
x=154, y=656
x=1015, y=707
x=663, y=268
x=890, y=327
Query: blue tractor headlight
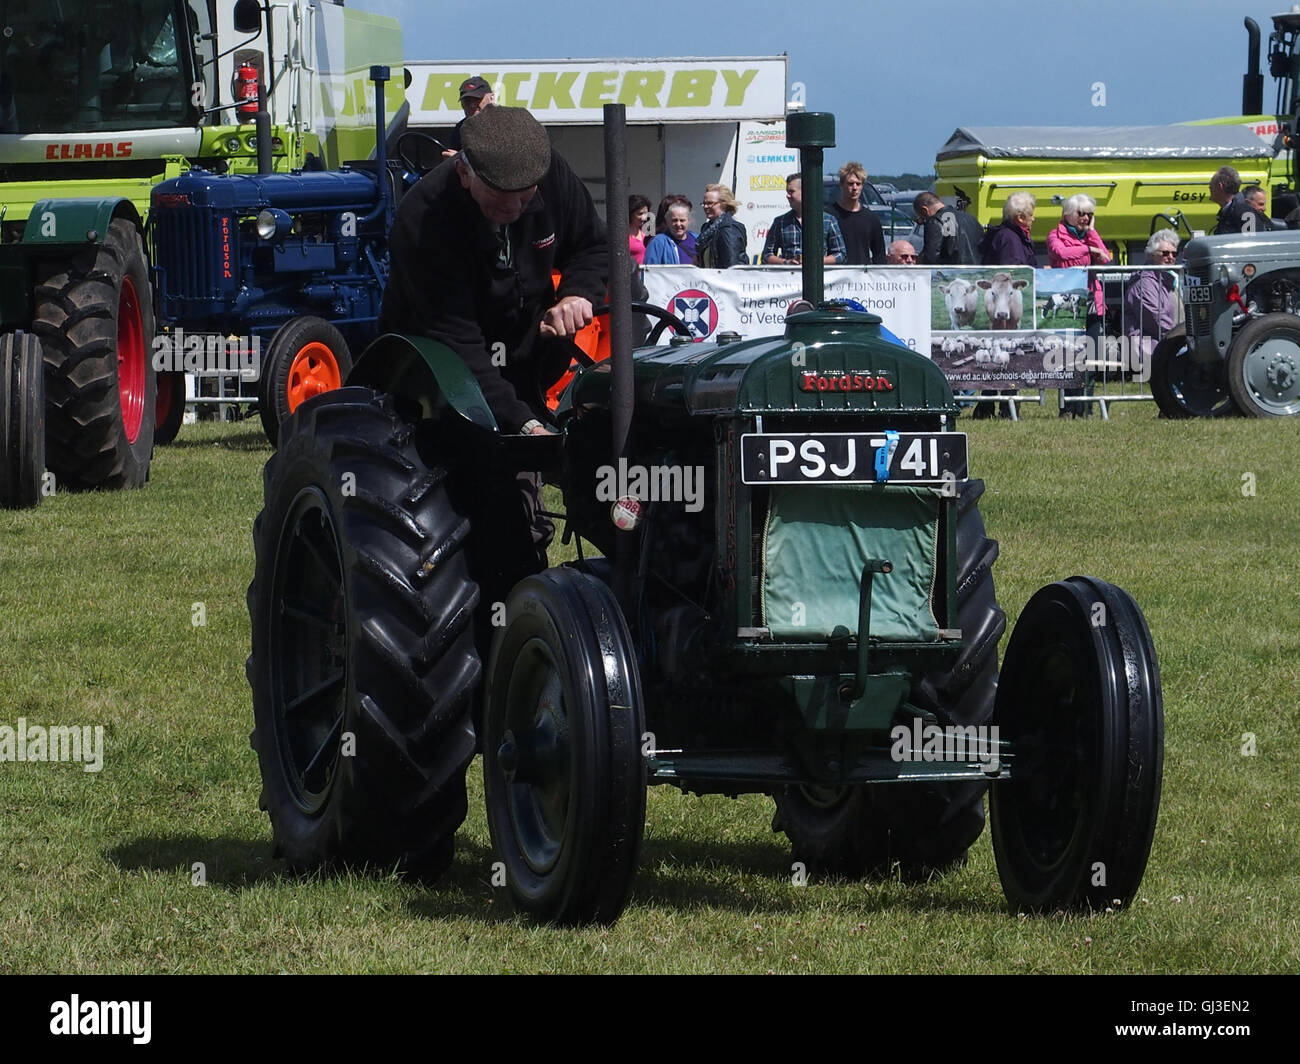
x=273, y=224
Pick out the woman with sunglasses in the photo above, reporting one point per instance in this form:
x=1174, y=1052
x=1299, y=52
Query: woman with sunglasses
x=1150, y=306
x=1075, y=242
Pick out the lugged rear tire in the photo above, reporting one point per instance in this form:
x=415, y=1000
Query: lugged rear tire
x=94, y=315
x=362, y=614
x=22, y=420
x=919, y=828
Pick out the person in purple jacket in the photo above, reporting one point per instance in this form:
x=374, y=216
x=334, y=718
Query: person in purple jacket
x=1010, y=244
x=1150, y=305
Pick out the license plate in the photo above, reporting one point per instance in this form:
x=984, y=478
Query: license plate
x=853, y=458
x=1200, y=293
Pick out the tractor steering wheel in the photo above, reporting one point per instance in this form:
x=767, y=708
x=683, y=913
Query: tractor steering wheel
x=415, y=163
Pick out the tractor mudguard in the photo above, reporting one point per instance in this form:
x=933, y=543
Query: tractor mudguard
x=76, y=221
x=429, y=372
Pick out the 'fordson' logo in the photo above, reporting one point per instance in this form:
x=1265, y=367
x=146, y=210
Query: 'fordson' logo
x=844, y=380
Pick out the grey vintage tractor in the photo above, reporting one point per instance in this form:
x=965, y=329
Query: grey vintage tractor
x=793, y=596
x=1239, y=350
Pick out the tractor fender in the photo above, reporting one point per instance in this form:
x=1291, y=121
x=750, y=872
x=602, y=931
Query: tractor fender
x=427, y=371
x=76, y=221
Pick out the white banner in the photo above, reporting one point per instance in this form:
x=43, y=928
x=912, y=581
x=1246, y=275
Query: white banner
x=574, y=91
x=752, y=300
x=762, y=164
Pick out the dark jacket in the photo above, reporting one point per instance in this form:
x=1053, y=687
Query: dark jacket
x=864, y=237
x=448, y=281
x=1007, y=245
x=948, y=241
x=721, y=243
x=1236, y=217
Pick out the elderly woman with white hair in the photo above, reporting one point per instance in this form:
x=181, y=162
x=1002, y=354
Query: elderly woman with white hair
x=1010, y=243
x=1150, y=306
x=1075, y=242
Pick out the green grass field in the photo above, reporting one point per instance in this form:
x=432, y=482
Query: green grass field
x=98, y=594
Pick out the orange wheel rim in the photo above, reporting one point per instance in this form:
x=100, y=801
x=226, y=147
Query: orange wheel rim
x=314, y=370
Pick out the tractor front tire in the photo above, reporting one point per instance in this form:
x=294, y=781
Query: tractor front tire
x=363, y=669
x=918, y=828
x=1183, y=388
x=170, y=407
x=22, y=420
x=306, y=357
x=94, y=315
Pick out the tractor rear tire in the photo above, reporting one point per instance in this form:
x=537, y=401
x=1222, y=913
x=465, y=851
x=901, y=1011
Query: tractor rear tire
x=306, y=357
x=94, y=315
x=1264, y=367
x=22, y=420
x=363, y=669
x=170, y=407
x=919, y=827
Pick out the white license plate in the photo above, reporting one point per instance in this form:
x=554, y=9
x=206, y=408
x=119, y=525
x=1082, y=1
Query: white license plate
x=853, y=458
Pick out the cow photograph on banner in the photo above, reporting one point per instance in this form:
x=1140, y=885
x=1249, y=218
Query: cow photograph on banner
x=988, y=331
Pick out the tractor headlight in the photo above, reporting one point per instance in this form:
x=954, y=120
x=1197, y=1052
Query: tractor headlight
x=273, y=224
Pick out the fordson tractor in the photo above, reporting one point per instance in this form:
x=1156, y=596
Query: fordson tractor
x=1239, y=347
x=793, y=596
x=99, y=102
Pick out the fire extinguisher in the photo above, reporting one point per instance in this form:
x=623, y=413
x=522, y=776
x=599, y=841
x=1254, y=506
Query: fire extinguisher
x=246, y=88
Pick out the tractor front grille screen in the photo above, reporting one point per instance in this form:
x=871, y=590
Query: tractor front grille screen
x=816, y=541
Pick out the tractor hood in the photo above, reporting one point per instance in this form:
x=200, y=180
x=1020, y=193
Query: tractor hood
x=829, y=360
x=249, y=193
x=1221, y=258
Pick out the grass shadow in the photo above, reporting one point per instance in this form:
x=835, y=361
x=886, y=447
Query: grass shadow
x=244, y=440
x=227, y=862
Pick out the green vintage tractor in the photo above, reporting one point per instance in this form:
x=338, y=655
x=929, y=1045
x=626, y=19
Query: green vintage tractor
x=793, y=596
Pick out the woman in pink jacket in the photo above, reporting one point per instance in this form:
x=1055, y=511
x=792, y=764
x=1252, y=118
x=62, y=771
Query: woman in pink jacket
x=1075, y=242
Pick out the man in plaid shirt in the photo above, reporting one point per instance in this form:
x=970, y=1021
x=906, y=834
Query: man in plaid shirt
x=784, y=246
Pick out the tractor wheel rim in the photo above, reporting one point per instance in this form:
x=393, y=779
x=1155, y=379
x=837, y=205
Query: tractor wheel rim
x=308, y=651
x=130, y=360
x=538, y=793
x=1271, y=374
x=314, y=370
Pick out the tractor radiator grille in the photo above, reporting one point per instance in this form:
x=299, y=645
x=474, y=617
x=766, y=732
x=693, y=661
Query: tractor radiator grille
x=197, y=252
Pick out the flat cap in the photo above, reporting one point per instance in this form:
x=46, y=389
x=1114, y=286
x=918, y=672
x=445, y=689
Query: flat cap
x=474, y=88
x=507, y=147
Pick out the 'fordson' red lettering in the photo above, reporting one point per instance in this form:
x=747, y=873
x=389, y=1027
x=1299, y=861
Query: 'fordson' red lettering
x=843, y=381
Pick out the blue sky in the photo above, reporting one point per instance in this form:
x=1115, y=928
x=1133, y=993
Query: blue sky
x=900, y=77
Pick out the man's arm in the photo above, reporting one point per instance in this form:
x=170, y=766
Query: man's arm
x=835, y=248
x=878, y=255
x=770, y=245
x=933, y=241
x=430, y=293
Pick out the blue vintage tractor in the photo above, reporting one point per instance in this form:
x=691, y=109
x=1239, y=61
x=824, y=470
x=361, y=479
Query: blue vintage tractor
x=275, y=278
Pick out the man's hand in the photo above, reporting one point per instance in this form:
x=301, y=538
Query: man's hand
x=567, y=317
